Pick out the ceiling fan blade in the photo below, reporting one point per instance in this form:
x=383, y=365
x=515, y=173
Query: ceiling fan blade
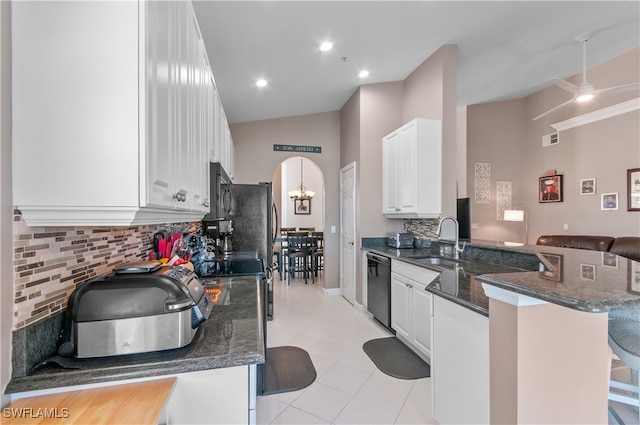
x=565, y=85
x=624, y=87
x=556, y=108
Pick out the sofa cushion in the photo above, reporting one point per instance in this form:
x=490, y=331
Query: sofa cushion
x=627, y=246
x=594, y=243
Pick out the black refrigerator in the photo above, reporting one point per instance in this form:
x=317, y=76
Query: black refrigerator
x=254, y=219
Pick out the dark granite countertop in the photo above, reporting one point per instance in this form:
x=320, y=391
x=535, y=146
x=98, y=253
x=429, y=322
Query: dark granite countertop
x=231, y=336
x=584, y=280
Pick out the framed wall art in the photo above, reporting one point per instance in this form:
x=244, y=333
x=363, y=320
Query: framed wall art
x=633, y=189
x=302, y=206
x=609, y=201
x=550, y=188
x=587, y=272
x=609, y=260
x=554, y=269
x=588, y=186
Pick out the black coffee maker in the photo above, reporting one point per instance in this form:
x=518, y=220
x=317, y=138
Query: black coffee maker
x=225, y=231
x=221, y=233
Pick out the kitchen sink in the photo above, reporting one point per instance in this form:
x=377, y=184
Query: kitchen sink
x=437, y=261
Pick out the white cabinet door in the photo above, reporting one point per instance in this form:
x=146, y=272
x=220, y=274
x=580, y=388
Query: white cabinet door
x=412, y=170
x=389, y=173
x=407, y=177
x=162, y=84
x=460, y=364
x=213, y=136
x=75, y=138
x=400, y=312
x=411, y=305
x=422, y=315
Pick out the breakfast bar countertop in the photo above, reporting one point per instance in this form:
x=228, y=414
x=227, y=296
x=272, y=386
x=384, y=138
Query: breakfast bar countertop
x=231, y=336
x=590, y=281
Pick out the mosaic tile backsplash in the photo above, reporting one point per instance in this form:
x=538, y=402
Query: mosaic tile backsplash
x=50, y=261
x=422, y=228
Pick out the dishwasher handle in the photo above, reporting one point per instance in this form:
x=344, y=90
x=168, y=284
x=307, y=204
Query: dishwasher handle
x=378, y=258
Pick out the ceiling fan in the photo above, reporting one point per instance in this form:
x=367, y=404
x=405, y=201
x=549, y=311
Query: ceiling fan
x=585, y=91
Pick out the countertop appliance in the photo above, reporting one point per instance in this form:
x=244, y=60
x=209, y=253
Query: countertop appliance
x=400, y=240
x=379, y=288
x=225, y=230
x=138, y=307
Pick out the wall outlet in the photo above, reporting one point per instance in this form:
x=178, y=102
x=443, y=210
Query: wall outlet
x=566, y=226
x=333, y=229
x=475, y=226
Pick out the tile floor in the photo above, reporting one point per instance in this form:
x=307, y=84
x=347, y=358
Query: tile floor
x=348, y=389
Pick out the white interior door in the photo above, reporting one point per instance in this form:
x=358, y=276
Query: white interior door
x=347, y=232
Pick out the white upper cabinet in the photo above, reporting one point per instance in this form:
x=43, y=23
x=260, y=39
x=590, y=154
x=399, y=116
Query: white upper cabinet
x=412, y=170
x=114, y=112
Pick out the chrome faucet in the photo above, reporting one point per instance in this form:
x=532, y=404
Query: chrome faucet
x=457, y=250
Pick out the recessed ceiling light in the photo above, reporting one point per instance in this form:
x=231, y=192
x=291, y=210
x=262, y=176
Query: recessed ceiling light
x=261, y=83
x=363, y=74
x=327, y=45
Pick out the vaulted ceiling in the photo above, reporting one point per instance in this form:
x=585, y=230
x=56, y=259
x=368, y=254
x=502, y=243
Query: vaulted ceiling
x=506, y=49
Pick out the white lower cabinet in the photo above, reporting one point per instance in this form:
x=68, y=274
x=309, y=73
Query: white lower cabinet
x=205, y=397
x=459, y=364
x=411, y=306
x=215, y=396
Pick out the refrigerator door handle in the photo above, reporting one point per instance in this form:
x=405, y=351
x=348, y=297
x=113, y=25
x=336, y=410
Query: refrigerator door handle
x=276, y=230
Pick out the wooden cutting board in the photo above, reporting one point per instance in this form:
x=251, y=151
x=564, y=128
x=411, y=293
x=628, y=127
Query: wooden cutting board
x=137, y=403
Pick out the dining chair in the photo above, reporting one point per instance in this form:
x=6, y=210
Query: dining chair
x=299, y=249
x=282, y=251
x=317, y=254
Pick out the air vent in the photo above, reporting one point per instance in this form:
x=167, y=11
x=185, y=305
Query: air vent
x=550, y=140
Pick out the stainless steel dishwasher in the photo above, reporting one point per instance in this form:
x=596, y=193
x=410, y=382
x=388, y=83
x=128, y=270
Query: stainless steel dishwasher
x=379, y=288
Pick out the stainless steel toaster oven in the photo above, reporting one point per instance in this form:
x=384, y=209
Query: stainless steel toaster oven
x=139, y=307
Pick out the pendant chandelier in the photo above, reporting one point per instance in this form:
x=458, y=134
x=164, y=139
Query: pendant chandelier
x=301, y=192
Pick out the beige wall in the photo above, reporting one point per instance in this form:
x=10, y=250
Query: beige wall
x=6, y=208
x=430, y=92
x=374, y=111
x=380, y=114
x=496, y=136
x=503, y=134
x=313, y=180
x=256, y=161
x=350, y=130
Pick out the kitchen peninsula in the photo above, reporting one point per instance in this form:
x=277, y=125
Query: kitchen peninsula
x=219, y=364
x=539, y=334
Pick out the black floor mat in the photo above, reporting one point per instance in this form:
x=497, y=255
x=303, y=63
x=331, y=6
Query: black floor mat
x=394, y=358
x=287, y=369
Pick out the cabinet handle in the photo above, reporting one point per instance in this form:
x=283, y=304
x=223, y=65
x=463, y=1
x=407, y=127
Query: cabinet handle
x=206, y=203
x=181, y=196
